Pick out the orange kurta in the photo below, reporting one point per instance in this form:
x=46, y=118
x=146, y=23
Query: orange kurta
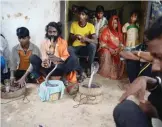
x=60, y=51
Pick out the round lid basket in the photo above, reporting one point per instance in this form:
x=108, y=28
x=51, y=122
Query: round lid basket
x=12, y=94
x=92, y=95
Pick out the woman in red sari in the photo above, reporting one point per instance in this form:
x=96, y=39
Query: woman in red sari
x=110, y=41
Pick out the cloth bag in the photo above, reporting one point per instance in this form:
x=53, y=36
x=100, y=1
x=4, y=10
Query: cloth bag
x=45, y=91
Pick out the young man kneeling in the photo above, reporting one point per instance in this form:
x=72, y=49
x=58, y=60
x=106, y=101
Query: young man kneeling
x=21, y=53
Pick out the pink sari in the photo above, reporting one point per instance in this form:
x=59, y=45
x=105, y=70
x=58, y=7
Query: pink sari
x=110, y=64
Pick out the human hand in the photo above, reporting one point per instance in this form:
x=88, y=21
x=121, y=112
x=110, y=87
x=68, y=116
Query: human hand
x=21, y=82
x=53, y=58
x=117, y=50
x=83, y=39
x=121, y=47
x=103, y=45
x=149, y=109
x=78, y=36
x=138, y=86
x=45, y=63
x=112, y=51
x=102, y=28
x=137, y=53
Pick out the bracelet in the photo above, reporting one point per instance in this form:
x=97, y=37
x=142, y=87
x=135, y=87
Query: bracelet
x=139, y=52
x=158, y=83
x=158, y=79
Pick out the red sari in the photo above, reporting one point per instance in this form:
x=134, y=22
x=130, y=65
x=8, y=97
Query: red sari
x=110, y=64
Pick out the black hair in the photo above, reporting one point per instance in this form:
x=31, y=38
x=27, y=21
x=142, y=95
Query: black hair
x=99, y=8
x=22, y=32
x=155, y=30
x=57, y=25
x=135, y=12
x=83, y=9
x=74, y=8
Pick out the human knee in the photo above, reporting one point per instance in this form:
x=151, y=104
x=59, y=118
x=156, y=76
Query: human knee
x=72, y=58
x=123, y=108
x=34, y=59
x=70, y=50
x=92, y=47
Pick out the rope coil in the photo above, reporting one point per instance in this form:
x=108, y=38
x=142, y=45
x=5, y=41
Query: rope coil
x=87, y=99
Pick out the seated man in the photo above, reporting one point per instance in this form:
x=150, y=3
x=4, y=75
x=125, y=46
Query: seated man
x=82, y=34
x=21, y=54
x=129, y=114
x=5, y=58
x=54, y=51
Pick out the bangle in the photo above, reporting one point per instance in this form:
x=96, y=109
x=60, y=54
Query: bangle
x=158, y=83
x=158, y=79
x=139, y=52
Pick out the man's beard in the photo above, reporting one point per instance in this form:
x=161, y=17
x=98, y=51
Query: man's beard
x=54, y=38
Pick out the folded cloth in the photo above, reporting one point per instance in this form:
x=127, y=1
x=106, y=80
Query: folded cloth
x=156, y=122
x=44, y=91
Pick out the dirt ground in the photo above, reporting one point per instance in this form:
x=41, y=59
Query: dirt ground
x=62, y=113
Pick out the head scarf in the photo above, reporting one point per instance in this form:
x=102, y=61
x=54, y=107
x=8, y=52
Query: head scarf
x=117, y=32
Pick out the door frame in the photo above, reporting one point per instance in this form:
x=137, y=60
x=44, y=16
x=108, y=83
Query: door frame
x=63, y=17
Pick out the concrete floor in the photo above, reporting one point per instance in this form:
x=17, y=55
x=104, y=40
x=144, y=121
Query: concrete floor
x=61, y=113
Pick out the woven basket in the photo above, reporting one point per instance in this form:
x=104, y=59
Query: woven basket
x=91, y=91
x=54, y=97
x=15, y=94
x=89, y=95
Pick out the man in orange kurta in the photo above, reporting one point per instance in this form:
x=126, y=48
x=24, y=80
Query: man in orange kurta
x=54, y=51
